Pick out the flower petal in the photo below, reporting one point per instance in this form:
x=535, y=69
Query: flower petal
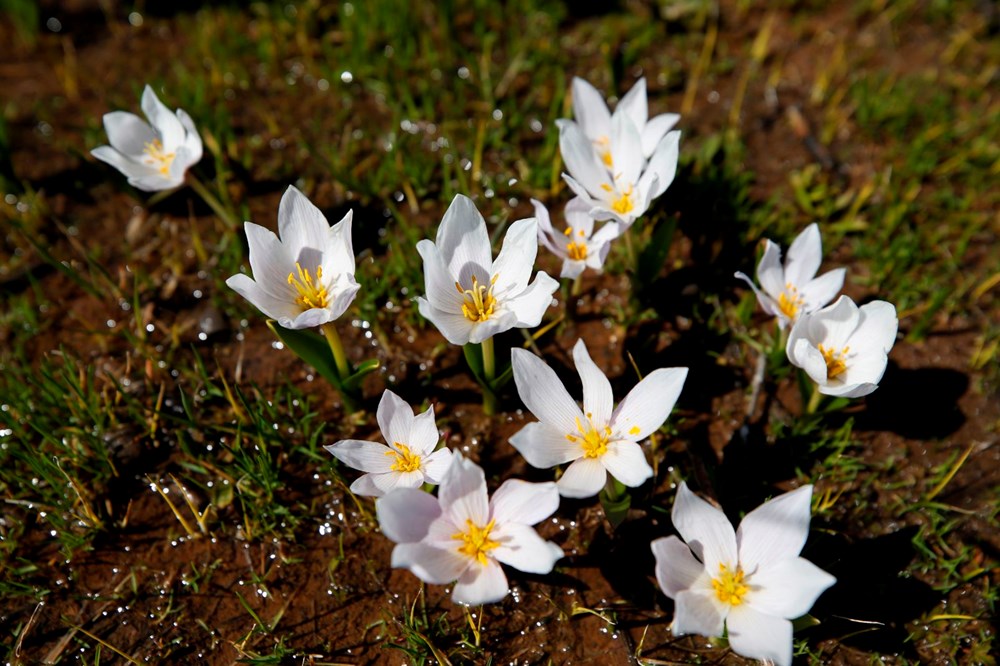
x=590, y=110
x=436, y=566
x=405, y=515
x=654, y=130
x=804, y=355
x=769, y=271
x=270, y=263
x=833, y=325
x=390, y=481
x=498, y=323
x=128, y=133
x=464, y=243
x=626, y=149
x=338, y=247
x=163, y=120
x=662, y=167
x=626, y=462
x=544, y=446
x=542, y=392
x=598, y=401
x=361, y=455
x=697, y=612
x=192, y=140
x=788, y=588
x=580, y=158
x=463, y=493
x=706, y=530
x=876, y=331
x=454, y=327
x=634, y=105
x=767, y=304
x=513, y=265
x=275, y=308
x=481, y=585
x=522, y=548
x=517, y=501
x=804, y=256
x=583, y=478
x=775, y=530
x=424, y=436
x=301, y=225
x=530, y=305
x=436, y=465
x=395, y=418
x=756, y=635
x=676, y=567
x=817, y=293
x=648, y=404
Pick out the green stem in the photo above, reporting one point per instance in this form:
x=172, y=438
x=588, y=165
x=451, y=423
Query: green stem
x=489, y=376
x=337, y=348
x=577, y=286
x=212, y=201
x=814, y=400
x=630, y=251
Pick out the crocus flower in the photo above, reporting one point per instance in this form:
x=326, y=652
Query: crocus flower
x=305, y=278
x=408, y=461
x=463, y=536
x=752, y=581
x=623, y=193
x=794, y=290
x=844, y=348
x=592, y=114
x=598, y=440
x=154, y=155
x=471, y=297
x=577, y=244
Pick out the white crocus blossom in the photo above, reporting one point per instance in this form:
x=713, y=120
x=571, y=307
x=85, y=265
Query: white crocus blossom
x=408, y=461
x=154, y=155
x=599, y=440
x=752, y=581
x=624, y=192
x=578, y=246
x=471, y=297
x=305, y=278
x=594, y=118
x=844, y=348
x=462, y=535
x=793, y=290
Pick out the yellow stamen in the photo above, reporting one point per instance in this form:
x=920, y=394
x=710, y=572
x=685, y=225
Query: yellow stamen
x=406, y=460
x=729, y=586
x=634, y=430
x=158, y=158
x=623, y=204
x=476, y=541
x=835, y=365
x=577, y=251
x=789, y=301
x=311, y=294
x=593, y=442
x=603, y=146
x=479, y=301
x=568, y=231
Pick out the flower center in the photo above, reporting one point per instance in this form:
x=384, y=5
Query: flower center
x=312, y=294
x=594, y=442
x=479, y=301
x=476, y=540
x=790, y=301
x=623, y=204
x=603, y=146
x=406, y=460
x=577, y=251
x=834, y=360
x=156, y=157
x=729, y=586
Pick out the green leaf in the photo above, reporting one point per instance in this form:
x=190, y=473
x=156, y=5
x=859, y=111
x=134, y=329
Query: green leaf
x=363, y=370
x=474, y=357
x=654, y=255
x=615, y=509
x=311, y=348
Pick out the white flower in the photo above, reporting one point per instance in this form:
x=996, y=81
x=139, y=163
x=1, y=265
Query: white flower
x=598, y=440
x=624, y=192
x=577, y=244
x=408, y=461
x=471, y=297
x=844, y=348
x=792, y=291
x=591, y=112
x=463, y=536
x=154, y=155
x=752, y=580
x=306, y=278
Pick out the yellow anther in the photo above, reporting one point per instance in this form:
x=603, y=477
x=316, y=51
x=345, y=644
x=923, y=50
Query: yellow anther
x=158, y=158
x=603, y=146
x=593, y=442
x=476, y=540
x=634, y=430
x=835, y=365
x=729, y=586
x=577, y=251
x=479, y=302
x=312, y=294
x=623, y=204
x=789, y=301
x=406, y=460
x=568, y=231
